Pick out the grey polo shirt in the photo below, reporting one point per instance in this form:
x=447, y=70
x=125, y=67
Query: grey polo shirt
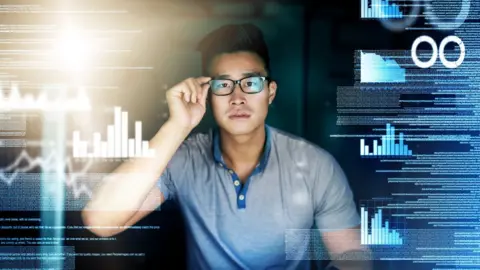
x=233, y=226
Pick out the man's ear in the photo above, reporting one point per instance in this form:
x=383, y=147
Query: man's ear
x=272, y=91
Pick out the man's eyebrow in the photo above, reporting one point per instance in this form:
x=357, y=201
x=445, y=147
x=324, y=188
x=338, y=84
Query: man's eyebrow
x=253, y=73
x=246, y=74
x=223, y=76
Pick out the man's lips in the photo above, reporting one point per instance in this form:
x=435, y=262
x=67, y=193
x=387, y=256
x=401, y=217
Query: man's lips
x=239, y=115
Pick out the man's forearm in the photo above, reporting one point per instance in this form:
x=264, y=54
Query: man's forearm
x=122, y=192
x=359, y=259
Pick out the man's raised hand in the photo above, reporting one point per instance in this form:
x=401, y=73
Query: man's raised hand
x=187, y=101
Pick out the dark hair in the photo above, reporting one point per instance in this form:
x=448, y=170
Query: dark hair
x=233, y=38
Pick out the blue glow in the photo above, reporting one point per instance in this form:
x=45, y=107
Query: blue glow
x=375, y=69
x=53, y=190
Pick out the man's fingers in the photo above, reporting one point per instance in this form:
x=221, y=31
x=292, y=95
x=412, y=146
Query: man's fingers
x=202, y=80
x=192, y=86
x=180, y=90
x=186, y=94
x=191, y=90
x=205, y=89
x=202, y=87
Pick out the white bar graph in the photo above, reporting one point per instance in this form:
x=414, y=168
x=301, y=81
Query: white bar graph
x=124, y=134
x=110, y=141
x=97, y=139
x=117, y=144
x=138, y=138
x=118, y=131
x=103, y=152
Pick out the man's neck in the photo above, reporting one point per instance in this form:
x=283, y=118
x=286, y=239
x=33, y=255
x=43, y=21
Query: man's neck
x=243, y=150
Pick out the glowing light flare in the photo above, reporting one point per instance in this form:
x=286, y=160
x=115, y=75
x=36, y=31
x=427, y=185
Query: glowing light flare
x=74, y=51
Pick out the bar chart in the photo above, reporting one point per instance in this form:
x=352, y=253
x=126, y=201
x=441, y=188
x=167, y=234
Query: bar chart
x=377, y=233
x=117, y=143
x=387, y=147
x=380, y=9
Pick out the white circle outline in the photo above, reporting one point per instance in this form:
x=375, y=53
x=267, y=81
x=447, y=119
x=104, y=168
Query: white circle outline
x=432, y=60
x=446, y=26
x=447, y=63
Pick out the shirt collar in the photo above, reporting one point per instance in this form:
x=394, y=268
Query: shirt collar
x=217, y=153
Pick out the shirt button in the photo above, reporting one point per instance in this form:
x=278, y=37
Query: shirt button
x=241, y=197
x=236, y=183
x=230, y=171
x=221, y=165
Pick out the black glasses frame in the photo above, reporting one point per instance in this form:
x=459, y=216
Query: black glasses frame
x=235, y=82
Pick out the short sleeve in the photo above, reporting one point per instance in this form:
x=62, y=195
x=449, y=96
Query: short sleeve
x=171, y=178
x=335, y=208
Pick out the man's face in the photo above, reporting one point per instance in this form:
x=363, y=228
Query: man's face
x=240, y=113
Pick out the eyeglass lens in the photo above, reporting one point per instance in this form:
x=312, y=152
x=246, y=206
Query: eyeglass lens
x=225, y=87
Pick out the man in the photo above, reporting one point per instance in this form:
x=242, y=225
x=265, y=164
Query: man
x=243, y=186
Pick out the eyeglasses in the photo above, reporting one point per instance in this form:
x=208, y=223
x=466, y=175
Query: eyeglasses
x=248, y=85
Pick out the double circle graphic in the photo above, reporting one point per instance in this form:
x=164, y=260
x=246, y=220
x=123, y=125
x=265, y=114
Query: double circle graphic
x=397, y=25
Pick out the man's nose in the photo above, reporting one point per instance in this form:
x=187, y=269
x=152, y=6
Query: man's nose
x=238, y=96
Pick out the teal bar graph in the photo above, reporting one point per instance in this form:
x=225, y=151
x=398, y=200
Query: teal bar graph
x=400, y=139
x=380, y=9
x=362, y=7
x=392, y=140
x=374, y=233
x=386, y=146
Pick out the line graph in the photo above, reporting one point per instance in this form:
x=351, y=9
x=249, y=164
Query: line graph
x=11, y=172
x=16, y=102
